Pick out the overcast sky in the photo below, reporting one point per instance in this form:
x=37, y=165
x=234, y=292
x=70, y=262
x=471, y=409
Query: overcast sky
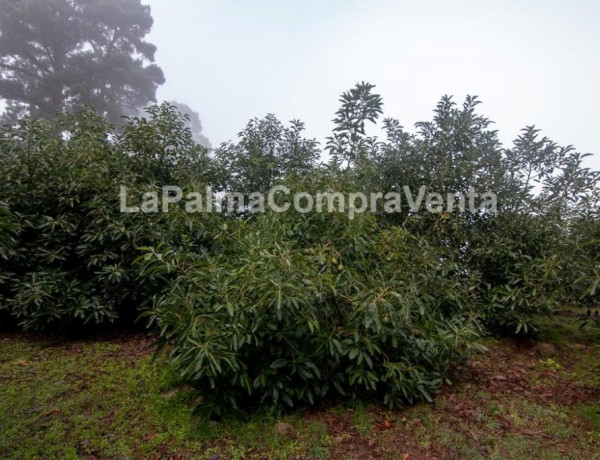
x=534, y=62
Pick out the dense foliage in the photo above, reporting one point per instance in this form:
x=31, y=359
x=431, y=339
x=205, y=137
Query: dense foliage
x=69, y=251
x=292, y=309
x=285, y=309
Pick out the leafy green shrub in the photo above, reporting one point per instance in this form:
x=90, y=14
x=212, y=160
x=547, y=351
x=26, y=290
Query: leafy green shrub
x=520, y=271
x=292, y=309
x=583, y=262
x=267, y=151
x=532, y=255
x=9, y=228
x=72, y=263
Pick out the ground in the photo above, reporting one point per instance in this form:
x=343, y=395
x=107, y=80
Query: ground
x=107, y=398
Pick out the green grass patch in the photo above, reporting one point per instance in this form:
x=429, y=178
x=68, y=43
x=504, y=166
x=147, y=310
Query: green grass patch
x=108, y=399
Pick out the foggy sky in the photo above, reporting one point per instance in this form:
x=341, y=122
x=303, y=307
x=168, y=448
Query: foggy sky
x=534, y=62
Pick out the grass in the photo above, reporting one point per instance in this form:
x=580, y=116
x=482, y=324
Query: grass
x=109, y=399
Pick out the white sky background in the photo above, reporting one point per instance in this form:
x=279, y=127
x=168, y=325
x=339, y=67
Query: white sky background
x=534, y=62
